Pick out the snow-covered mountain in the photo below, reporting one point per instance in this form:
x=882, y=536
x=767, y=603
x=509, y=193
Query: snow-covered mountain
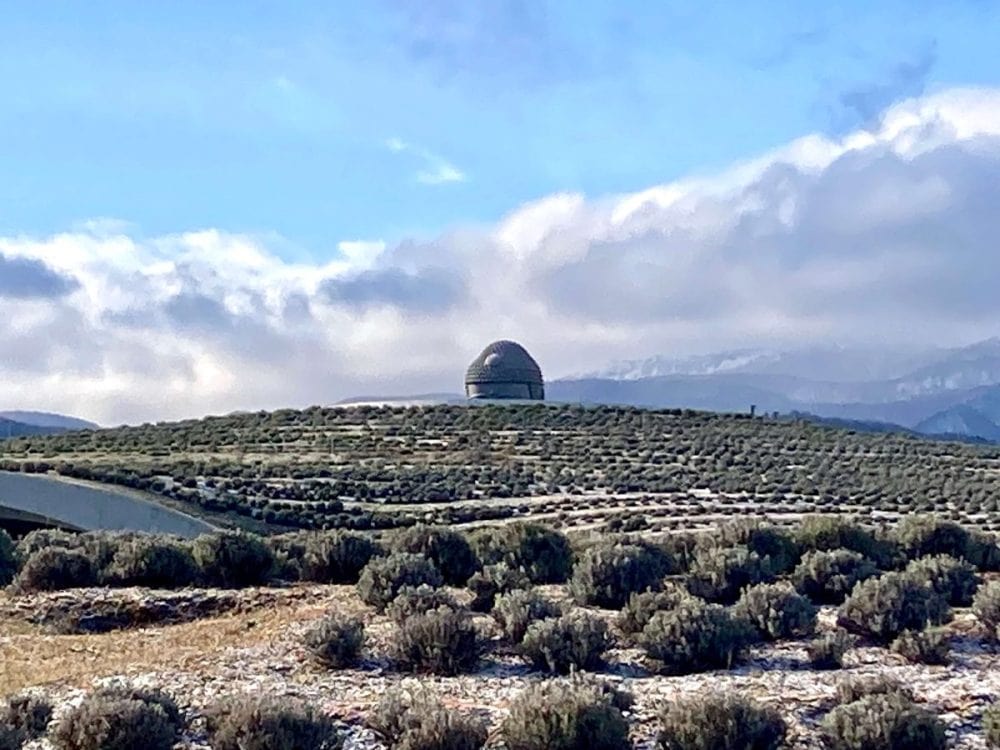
x=934, y=391
x=833, y=363
x=957, y=369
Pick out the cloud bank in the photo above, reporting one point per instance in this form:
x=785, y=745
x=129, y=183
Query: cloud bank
x=889, y=234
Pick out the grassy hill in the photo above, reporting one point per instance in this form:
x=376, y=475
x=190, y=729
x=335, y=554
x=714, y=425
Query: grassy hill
x=574, y=467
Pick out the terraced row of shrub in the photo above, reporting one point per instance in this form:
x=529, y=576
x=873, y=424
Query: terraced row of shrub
x=310, y=468
x=233, y=559
x=578, y=713
x=691, y=603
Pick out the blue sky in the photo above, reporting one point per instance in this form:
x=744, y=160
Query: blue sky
x=279, y=118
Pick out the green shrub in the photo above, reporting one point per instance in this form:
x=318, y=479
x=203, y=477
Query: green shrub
x=922, y=535
x=384, y=577
x=448, y=549
x=153, y=562
x=922, y=646
x=543, y=553
x=776, y=610
x=152, y=696
x=443, y=641
x=719, y=574
x=232, y=560
x=27, y=714
x=270, y=723
x=418, y=600
x=397, y=707
x=986, y=606
x=117, y=720
x=888, y=721
x=618, y=697
x=576, y=640
x=775, y=545
x=102, y=546
x=828, y=576
x=640, y=608
x=608, y=573
x=955, y=580
x=832, y=532
x=288, y=550
x=335, y=641
x=983, y=551
x=991, y=725
x=710, y=722
x=39, y=539
x=778, y=546
x=827, y=651
x=657, y=553
x=8, y=562
x=884, y=607
x=856, y=688
x=516, y=610
x=417, y=720
x=492, y=580
x=54, y=569
x=337, y=556
x=11, y=738
x=681, y=548
x=564, y=715
x=694, y=637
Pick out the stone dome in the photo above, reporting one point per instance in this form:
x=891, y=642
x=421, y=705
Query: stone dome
x=504, y=370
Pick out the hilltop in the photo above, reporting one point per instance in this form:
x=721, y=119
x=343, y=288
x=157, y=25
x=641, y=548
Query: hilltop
x=380, y=467
x=17, y=423
x=10, y=428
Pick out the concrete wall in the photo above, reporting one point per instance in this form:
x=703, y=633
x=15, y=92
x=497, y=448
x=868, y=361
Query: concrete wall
x=524, y=391
x=89, y=508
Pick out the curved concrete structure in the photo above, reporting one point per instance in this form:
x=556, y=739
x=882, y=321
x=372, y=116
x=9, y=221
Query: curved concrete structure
x=504, y=370
x=34, y=498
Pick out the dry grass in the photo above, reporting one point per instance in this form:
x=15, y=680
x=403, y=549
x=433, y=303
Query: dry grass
x=30, y=657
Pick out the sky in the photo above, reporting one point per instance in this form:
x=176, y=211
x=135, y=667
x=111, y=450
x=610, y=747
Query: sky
x=216, y=206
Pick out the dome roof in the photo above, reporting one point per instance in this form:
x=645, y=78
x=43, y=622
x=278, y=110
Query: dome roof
x=504, y=362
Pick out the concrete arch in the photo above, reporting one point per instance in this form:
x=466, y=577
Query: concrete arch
x=35, y=499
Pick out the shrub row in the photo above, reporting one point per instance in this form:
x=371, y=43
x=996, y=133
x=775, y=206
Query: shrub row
x=574, y=713
x=505, y=558
x=580, y=713
x=824, y=556
x=49, y=561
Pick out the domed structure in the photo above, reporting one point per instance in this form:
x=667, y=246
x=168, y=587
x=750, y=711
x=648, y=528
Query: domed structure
x=504, y=370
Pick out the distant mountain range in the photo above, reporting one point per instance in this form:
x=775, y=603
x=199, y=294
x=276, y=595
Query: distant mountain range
x=18, y=423
x=952, y=392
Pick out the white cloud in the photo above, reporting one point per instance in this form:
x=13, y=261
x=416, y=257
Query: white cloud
x=396, y=145
x=441, y=173
x=359, y=254
x=887, y=234
x=436, y=170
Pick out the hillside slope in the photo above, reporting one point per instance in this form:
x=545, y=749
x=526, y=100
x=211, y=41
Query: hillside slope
x=370, y=467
